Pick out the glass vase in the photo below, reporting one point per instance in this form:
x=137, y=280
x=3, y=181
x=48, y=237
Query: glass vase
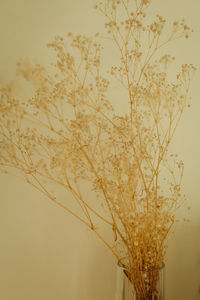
x=140, y=285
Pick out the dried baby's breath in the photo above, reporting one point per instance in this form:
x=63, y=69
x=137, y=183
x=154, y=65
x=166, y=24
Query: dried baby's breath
x=69, y=133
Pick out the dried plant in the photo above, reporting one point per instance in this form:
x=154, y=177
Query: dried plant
x=69, y=133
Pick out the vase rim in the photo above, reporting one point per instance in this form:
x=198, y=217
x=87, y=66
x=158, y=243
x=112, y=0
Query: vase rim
x=142, y=270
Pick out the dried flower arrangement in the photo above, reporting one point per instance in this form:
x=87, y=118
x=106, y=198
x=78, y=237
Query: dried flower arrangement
x=68, y=133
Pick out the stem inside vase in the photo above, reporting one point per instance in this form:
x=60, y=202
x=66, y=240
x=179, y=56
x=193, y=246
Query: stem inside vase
x=142, y=284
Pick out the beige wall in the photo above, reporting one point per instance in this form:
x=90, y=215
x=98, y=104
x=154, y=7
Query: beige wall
x=46, y=254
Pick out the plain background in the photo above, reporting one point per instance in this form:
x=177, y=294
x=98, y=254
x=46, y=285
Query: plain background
x=45, y=253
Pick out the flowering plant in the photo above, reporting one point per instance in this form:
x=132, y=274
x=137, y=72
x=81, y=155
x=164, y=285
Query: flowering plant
x=69, y=132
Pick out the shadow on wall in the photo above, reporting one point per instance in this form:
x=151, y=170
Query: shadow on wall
x=183, y=264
